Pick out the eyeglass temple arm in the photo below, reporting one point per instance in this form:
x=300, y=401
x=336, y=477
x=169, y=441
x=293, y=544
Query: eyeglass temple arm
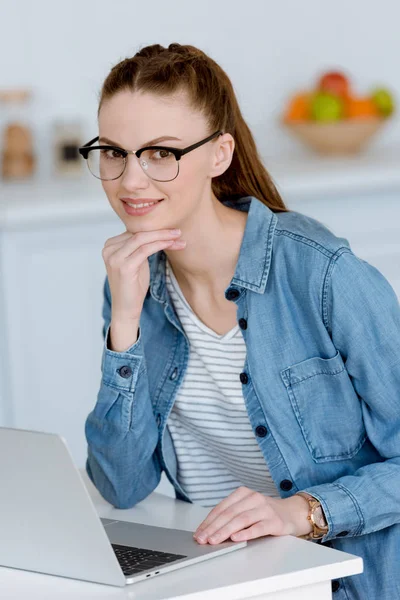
x=83, y=149
x=91, y=142
x=193, y=146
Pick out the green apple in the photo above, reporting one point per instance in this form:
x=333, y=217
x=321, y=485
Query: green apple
x=383, y=100
x=326, y=107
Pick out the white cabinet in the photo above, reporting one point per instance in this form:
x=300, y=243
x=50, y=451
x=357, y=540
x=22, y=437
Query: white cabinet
x=52, y=307
x=52, y=274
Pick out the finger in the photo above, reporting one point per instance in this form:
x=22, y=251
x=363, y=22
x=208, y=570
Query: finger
x=254, y=502
x=118, y=239
x=130, y=245
x=226, y=509
x=146, y=236
x=110, y=249
x=140, y=255
x=125, y=249
x=240, y=522
x=257, y=530
x=240, y=493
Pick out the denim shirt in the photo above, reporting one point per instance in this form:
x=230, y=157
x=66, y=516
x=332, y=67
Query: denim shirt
x=321, y=384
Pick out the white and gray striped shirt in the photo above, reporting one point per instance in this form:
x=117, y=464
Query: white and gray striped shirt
x=215, y=445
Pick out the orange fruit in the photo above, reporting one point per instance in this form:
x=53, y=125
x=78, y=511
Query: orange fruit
x=360, y=108
x=298, y=108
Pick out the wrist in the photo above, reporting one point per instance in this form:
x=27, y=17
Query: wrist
x=123, y=319
x=299, y=510
x=316, y=517
x=122, y=335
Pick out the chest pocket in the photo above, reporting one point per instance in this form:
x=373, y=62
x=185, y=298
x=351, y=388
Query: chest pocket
x=327, y=407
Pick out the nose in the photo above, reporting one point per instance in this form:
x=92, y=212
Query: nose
x=134, y=177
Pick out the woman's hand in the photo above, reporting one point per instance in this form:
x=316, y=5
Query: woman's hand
x=125, y=257
x=245, y=515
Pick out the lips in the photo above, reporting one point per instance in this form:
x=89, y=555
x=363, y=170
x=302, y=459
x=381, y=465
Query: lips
x=138, y=210
x=141, y=201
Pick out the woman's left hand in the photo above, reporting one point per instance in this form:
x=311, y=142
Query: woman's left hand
x=246, y=514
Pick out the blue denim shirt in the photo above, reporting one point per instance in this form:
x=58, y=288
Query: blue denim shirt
x=323, y=382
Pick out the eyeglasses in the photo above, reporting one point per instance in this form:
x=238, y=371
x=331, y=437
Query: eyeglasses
x=160, y=163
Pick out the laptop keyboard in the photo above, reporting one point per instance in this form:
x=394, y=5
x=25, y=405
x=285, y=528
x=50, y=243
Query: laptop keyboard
x=135, y=560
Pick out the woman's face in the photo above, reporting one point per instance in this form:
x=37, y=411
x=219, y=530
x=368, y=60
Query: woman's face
x=132, y=120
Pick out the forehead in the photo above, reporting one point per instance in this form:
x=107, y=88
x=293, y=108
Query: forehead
x=132, y=118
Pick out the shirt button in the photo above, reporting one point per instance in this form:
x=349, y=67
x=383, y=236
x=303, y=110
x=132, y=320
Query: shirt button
x=343, y=533
x=174, y=374
x=243, y=323
x=335, y=585
x=244, y=378
x=232, y=294
x=286, y=485
x=261, y=431
x=125, y=372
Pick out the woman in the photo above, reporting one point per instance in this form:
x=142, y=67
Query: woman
x=264, y=377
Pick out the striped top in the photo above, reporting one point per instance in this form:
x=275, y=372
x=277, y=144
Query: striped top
x=215, y=446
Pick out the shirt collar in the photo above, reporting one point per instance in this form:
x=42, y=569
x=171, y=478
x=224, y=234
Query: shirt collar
x=254, y=260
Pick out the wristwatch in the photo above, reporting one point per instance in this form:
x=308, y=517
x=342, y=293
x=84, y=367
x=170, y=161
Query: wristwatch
x=316, y=517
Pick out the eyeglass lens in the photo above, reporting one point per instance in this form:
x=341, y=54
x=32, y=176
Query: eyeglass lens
x=108, y=164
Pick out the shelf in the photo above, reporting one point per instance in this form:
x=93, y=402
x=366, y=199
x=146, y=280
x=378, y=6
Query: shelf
x=302, y=174
x=34, y=202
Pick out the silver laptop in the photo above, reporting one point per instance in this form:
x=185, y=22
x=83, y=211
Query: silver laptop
x=48, y=522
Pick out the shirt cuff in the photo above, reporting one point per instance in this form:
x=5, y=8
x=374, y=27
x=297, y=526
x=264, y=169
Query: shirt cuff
x=121, y=369
x=341, y=509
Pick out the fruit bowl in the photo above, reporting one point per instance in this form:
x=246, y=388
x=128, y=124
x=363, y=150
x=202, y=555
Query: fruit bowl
x=348, y=136
x=333, y=118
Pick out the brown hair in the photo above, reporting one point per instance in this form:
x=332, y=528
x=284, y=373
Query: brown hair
x=160, y=70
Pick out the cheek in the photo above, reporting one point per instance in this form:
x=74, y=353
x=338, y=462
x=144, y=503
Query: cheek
x=192, y=173
x=110, y=188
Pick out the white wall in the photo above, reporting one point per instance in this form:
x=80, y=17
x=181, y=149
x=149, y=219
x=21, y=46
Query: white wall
x=64, y=50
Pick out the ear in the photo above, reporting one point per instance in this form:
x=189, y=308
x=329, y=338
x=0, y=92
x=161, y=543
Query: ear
x=223, y=153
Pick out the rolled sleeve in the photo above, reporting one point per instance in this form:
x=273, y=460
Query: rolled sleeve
x=342, y=511
x=121, y=430
x=122, y=369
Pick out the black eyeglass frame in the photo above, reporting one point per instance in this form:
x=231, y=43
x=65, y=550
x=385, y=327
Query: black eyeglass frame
x=177, y=152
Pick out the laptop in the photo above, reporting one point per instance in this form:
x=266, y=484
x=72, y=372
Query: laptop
x=49, y=524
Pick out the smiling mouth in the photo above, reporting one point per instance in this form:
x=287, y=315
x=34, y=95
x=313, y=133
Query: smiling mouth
x=142, y=204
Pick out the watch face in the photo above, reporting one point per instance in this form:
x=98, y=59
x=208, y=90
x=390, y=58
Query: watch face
x=319, y=518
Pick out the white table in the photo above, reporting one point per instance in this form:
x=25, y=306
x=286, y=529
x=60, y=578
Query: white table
x=284, y=568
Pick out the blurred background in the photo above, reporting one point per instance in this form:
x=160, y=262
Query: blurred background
x=318, y=84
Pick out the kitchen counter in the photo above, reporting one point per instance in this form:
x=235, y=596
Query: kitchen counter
x=297, y=176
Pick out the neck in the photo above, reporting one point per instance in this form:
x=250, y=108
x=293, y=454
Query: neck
x=214, y=235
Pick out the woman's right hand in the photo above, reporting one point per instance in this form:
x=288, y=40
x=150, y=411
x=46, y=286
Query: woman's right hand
x=125, y=257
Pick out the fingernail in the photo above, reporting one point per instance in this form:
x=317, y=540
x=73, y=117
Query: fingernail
x=181, y=243
x=175, y=231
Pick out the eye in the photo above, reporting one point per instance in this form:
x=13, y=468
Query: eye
x=111, y=154
x=161, y=154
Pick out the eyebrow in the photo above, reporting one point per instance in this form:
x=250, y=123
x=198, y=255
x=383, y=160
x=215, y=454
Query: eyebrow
x=162, y=138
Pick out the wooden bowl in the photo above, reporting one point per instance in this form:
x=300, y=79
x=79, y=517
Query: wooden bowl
x=349, y=136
